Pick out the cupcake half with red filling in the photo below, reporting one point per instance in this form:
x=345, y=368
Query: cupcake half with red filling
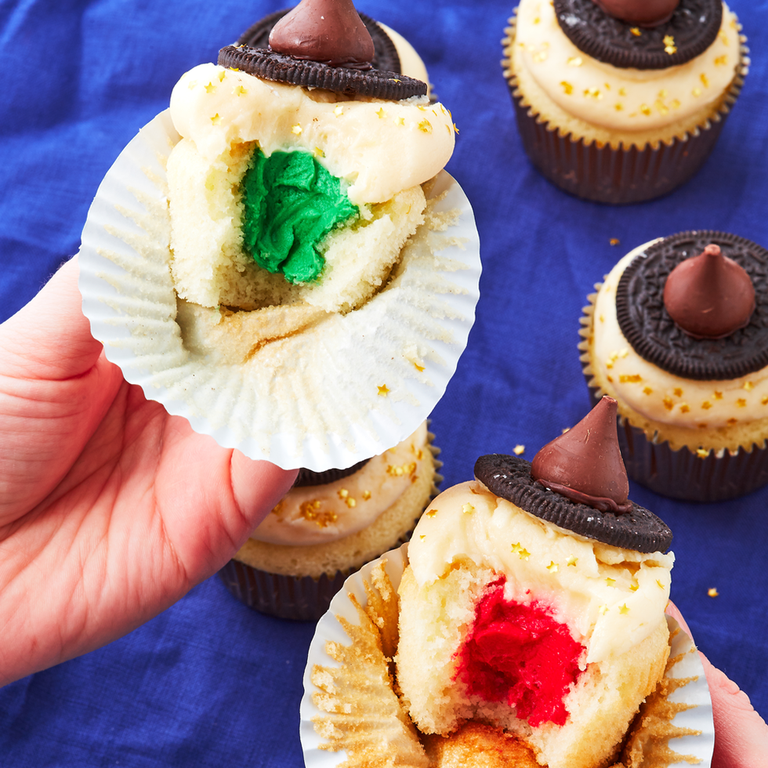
x=534, y=601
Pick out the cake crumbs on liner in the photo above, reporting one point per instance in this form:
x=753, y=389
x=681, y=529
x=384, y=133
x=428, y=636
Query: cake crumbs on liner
x=358, y=697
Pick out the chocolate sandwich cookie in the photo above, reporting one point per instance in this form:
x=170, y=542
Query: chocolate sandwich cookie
x=689, y=31
x=385, y=55
x=307, y=477
x=652, y=331
x=509, y=477
x=372, y=83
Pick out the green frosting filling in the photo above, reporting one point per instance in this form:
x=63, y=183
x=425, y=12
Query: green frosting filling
x=290, y=204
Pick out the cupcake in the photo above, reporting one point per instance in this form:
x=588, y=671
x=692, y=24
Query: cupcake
x=280, y=258
x=328, y=525
x=621, y=102
x=676, y=334
x=533, y=601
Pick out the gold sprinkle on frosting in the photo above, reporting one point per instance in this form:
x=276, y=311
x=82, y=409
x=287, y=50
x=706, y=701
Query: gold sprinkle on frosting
x=635, y=31
x=552, y=566
x=567, y=87
x=296, y=129
x=384, y=390
x=467, y=509
x=575, y=61
x=610, y=582
x=749, y=386
x=624, y=609
x=669, y=45
x=425, y=126
x=572, y=560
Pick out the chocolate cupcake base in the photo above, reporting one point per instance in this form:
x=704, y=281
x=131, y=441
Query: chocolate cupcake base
x=603, y=173
x=685, y=474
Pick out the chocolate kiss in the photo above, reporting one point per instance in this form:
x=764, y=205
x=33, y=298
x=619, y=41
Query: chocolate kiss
x=709, y=296
x=644, y=13
x=585, y=463
x=328, y=31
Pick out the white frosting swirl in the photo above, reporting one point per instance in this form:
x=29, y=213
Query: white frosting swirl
x=616, y=98
x=610, y=598
x=320, y=514
x=378, y=147
x=656, y=394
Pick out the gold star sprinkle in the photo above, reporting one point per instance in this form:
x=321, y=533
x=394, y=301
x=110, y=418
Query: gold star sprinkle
x=733, y=421
x=423, y=536
x=702, y=453
x=646, y=110
x=717, y=395
x=399, y=121
x=603, y=609
x=669, y=45
x=418, y=367
x=633, y=378
x=384, y=390
x=610, y=582
x=455, y=129
x=575, y=61
x=661, y=586
x=338, y=111
x=684, y=408
x=749, y=386
x=624, y=610
x=552, y=566
x=634, y=587
x=696, y=92
x=343, y=493
x=366, y=495
x=704, y=80
x=192, y=85
x=567, y=87
x=721, y=61
x=431, y=513
x=239, y=90
x=296, y=129
x=677, y=392
x=618, y=106
x=741, y=402
x=593, y=93
x=647, y=391
x=350, y=502
x=524, y=554
x=425, y=126
x=706, y=405
x=635, y=31
x=712, y=592
x=622, y=91
x=675, y=103
x=516, y=547
x=222, y=75
x=319, y=152
x=668, y=403
x=518, y=450
x=467, y=509
x=216, y=119
x=572, y=560
x=764, y=401
x=614, y=241
x=210, y=88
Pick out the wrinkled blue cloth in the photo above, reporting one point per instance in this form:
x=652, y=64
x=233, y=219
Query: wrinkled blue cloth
x=209, y=682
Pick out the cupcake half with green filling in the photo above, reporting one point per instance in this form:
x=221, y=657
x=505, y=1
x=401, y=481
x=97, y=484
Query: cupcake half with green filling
x=304, y=284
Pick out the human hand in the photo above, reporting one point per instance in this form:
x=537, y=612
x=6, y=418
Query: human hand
x=741, y=735
x=110, y=509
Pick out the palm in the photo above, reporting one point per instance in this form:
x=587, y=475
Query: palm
x=110, y=509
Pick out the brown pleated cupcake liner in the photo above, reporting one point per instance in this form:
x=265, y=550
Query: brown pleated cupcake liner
x=685, y=474
x=608, y=174
x=300, y=598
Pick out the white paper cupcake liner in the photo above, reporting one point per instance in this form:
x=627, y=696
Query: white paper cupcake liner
x=690, y=690
x=349, y=390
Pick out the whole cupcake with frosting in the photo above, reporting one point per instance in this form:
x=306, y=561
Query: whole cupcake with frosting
x=533, y=604
x=677, y=334
x=329, y=525
x=620, y=101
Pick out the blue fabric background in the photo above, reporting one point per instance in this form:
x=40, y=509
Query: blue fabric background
x=209, y=682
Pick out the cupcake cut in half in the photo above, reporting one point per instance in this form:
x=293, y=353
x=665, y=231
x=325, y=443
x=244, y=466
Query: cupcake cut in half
x=620, y=102
x=534, y=601
x=677, y=334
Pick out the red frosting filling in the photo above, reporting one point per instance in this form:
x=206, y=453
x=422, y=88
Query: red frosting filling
x=517, y=653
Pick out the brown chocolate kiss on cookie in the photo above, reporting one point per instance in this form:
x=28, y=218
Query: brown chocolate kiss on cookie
x=328, y=31
x=644, y=13
x=585, y=463
x=709, y=296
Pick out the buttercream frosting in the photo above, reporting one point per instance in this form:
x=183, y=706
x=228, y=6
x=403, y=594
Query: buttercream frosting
x=378, y=148
x=656, y=394
x=320, y=514
x=611, y=598
x=616, y=98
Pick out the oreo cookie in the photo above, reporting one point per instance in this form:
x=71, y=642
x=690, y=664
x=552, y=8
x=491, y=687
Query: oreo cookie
x=691, y=29
x=372, y=83
x=509, y=477
x=385, y=53
x=307, y=477
x=652, y=333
